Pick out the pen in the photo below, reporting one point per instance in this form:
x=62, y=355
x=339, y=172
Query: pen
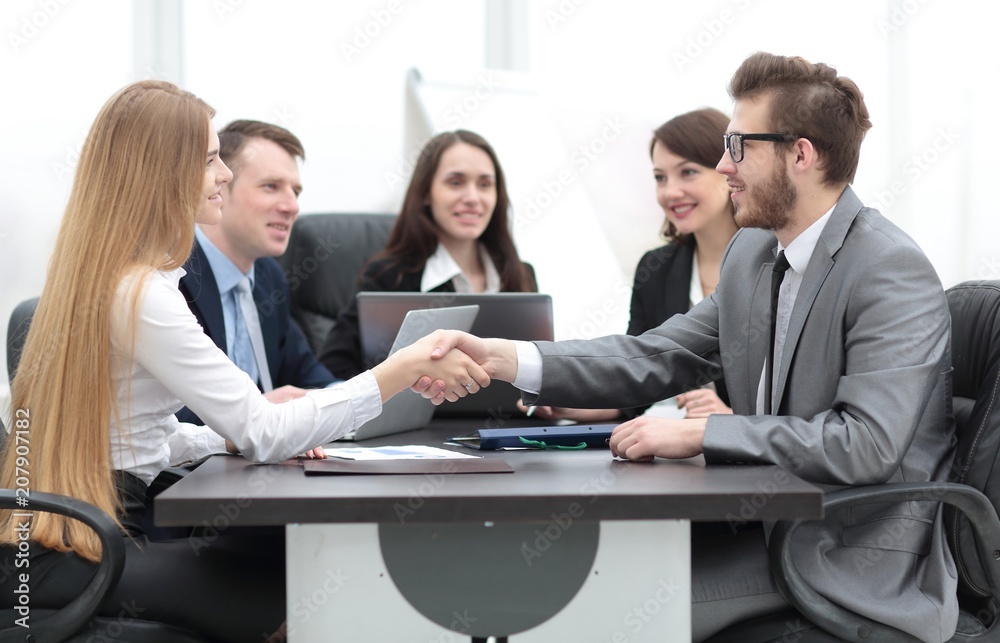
x=531, y=409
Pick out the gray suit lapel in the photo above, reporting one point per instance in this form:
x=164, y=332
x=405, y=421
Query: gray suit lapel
x=820, y=264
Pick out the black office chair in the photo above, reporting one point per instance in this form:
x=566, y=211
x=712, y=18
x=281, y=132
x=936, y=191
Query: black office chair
x=323, y=262
x=17, y=332
x=971, y=497
x=77, y=622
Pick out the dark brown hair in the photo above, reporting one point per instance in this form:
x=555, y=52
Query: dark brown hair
x=414, y=236
x=810, y=101
x=234, y=137
x=695, y=136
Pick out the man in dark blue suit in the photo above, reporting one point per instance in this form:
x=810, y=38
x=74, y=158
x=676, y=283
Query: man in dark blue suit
x=260, y=205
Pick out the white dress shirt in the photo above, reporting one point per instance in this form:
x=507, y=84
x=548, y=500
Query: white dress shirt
x=175, y=364
x=441, y=268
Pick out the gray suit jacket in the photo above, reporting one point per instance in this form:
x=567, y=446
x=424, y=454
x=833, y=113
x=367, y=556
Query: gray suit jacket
x=863, y=397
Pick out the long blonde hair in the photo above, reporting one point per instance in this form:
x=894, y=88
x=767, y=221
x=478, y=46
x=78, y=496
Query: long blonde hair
x=135, y=195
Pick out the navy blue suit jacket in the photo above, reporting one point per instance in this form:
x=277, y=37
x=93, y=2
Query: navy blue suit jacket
x=289, y=357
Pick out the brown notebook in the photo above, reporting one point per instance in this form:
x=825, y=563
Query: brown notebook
x=340, y=467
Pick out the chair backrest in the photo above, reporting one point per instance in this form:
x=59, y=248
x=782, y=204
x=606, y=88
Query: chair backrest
x=323, y=262
x=975, y=315
x=17, y=332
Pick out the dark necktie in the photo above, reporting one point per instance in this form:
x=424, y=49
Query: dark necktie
x=777, y=276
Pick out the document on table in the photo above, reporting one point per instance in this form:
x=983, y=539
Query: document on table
x=409, y=452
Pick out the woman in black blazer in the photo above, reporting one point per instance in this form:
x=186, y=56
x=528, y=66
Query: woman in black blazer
x=452, y=235
x=698, y=226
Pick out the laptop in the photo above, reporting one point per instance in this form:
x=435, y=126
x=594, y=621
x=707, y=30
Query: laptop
x=407, y=410
x=521, y=315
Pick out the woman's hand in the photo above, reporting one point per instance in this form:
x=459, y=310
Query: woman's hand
x=578, y=415
x=702, y=402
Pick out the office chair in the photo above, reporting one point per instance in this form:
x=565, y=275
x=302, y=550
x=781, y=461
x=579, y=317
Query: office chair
x=971, y=497
x=323, y=262
x=76, y=622
x=17, y=332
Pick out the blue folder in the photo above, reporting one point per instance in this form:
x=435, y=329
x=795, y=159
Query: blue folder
x=540, y=437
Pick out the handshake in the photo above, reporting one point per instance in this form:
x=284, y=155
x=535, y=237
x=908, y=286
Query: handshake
x=447, y=365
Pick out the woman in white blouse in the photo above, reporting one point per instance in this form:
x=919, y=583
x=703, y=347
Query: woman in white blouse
x=113, y=351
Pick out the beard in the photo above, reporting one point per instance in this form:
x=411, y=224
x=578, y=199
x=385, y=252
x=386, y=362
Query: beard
x=768, y=205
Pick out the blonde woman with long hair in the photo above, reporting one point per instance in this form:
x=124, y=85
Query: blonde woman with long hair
x=113, y=351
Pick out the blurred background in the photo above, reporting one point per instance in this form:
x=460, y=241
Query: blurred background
x=567, y=91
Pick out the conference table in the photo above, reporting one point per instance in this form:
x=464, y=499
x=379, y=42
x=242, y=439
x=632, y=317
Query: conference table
x=572, y=546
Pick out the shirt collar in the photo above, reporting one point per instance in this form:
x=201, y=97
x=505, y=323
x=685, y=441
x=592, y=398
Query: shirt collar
x=441, y=268
x=227, y=275
x=800, y=250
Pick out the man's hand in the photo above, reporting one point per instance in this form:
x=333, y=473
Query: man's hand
x=702, y=402
x=644, y=438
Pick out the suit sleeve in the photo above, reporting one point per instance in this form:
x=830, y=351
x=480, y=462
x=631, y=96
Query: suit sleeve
x=669, y=359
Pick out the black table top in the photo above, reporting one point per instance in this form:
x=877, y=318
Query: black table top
x=587, y=484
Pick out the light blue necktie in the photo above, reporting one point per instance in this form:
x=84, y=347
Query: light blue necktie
x=248, y=344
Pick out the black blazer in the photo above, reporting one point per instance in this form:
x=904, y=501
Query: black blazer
x=341, y=352
x=662, y=289
x=289, y=357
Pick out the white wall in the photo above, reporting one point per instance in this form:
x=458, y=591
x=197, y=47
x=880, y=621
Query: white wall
x=927, y=70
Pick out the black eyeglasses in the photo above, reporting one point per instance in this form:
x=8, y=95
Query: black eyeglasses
x=734, y=142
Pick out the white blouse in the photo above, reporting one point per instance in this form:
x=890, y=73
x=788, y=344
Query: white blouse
x=441, y=267
x=175, y=364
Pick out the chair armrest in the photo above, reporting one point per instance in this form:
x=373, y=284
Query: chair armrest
x=83, y=608
x=854, y=627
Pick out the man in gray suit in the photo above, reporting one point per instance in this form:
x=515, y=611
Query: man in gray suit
x=862, y=375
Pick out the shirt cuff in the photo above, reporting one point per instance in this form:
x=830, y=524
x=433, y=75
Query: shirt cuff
x=361, y=391
x=529, y=367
